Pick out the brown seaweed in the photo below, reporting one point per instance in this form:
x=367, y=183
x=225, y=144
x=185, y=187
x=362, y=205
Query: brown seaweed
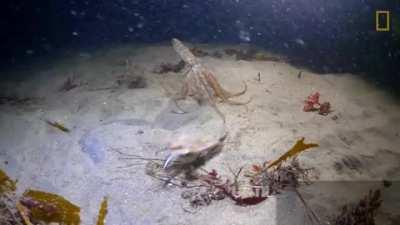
x=300, y=146
x=48, y=207
x=137, y=82
x=8, y=213
x=325, y=109
x=362, y=213
x=58, y=126
x=102, y=212
x=6, y=184
x=24, y=213
x=198, y=52
x=280, y=178
x=202, y=196
x=251, y=55
x=247, y=55
x=169, y=67
x=216, y=54
x=68, y=84
x=14, y=100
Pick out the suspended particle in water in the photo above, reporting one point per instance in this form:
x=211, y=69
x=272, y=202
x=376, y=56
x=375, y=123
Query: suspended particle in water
x=244, y=36
x=286, y=45
x=299, y=41
x=29, y=52
x=140, y=25
x=99, y=17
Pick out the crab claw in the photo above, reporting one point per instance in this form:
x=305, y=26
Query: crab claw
x=170, y=160
x=173, y=156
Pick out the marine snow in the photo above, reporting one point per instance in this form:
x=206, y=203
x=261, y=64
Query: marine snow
x=244, y=36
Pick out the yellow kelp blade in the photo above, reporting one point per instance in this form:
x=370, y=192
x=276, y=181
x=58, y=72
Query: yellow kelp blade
x=296, y=149
x=6, y=184
x=58, y=126
x=52, y=208
x=102, y=212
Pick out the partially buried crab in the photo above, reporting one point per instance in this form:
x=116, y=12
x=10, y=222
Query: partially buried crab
x=186, y=150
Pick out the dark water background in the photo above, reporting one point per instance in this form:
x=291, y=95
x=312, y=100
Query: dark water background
x=324, y=35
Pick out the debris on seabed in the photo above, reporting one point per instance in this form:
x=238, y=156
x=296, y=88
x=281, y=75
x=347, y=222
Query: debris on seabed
x=312, y=104
x=15, y=100
x=363, y=212
x=299, y=74
x=199, y=52
x=251, y=55
x=137, y=82
x=325, y=109
x=169, y=67
x=259, y=77
x=131, y=82
x=57, y=125
x=69, y=83
x=387, y=183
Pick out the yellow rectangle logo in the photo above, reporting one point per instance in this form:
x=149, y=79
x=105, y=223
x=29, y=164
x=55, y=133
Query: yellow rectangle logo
x=386, y=22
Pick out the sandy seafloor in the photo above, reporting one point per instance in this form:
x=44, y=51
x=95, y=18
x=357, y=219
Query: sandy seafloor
x=357, y=151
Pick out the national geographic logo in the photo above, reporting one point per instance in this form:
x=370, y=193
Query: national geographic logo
x=382, y=21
